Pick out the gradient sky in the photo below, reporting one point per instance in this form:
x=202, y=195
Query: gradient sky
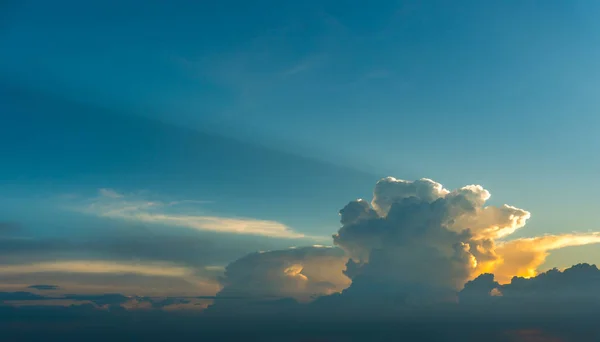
x=276, y=114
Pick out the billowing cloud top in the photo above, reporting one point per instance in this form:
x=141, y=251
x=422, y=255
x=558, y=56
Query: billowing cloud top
x=415, y=242
x=418, y=234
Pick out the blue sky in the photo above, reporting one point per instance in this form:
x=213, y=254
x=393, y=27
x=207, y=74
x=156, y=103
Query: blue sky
x=284, y=112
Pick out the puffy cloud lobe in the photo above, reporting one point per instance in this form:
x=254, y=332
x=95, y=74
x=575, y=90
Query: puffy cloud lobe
x=298, y=273
x=390, y=190
x=480, y=289
x=493, y=222
x=355, y=211
x=576, y=285
x=418, y=234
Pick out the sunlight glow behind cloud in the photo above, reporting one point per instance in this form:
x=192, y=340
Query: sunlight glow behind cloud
x=415, y=239
x=523, y=257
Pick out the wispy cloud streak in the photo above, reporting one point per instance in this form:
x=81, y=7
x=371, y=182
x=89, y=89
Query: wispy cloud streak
x=112, y=204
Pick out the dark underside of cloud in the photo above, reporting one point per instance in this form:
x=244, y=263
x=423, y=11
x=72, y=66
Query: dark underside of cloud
x=554, y=306
x=550, y=294
x=43, y=287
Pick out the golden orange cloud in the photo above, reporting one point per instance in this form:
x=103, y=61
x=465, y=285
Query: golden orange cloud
x=523, y=257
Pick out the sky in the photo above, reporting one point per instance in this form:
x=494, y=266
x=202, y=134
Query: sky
x=148, y=145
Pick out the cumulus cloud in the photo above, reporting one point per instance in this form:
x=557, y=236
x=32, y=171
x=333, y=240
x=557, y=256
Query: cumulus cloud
x=390, y=190
x=298, y=273
x=575, y=288
x=415, y=242
x=112, y=204
x=420, y=236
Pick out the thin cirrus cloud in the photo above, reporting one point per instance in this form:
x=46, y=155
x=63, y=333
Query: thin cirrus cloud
x=108, y=276
x=95, y=266
x=112, y=204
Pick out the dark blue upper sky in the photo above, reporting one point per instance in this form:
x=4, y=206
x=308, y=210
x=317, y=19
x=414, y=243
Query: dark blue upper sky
x=284, y=111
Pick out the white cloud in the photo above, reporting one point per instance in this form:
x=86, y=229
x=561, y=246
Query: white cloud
x=111, y=204
x=217, y=224
x=300, y=273
x=417, y=234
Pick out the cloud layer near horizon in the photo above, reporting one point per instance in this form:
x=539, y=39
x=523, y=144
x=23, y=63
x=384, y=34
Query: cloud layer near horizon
x=415, y=242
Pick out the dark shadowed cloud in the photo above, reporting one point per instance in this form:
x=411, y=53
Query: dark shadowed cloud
x=43, y=287
x=575, y=285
